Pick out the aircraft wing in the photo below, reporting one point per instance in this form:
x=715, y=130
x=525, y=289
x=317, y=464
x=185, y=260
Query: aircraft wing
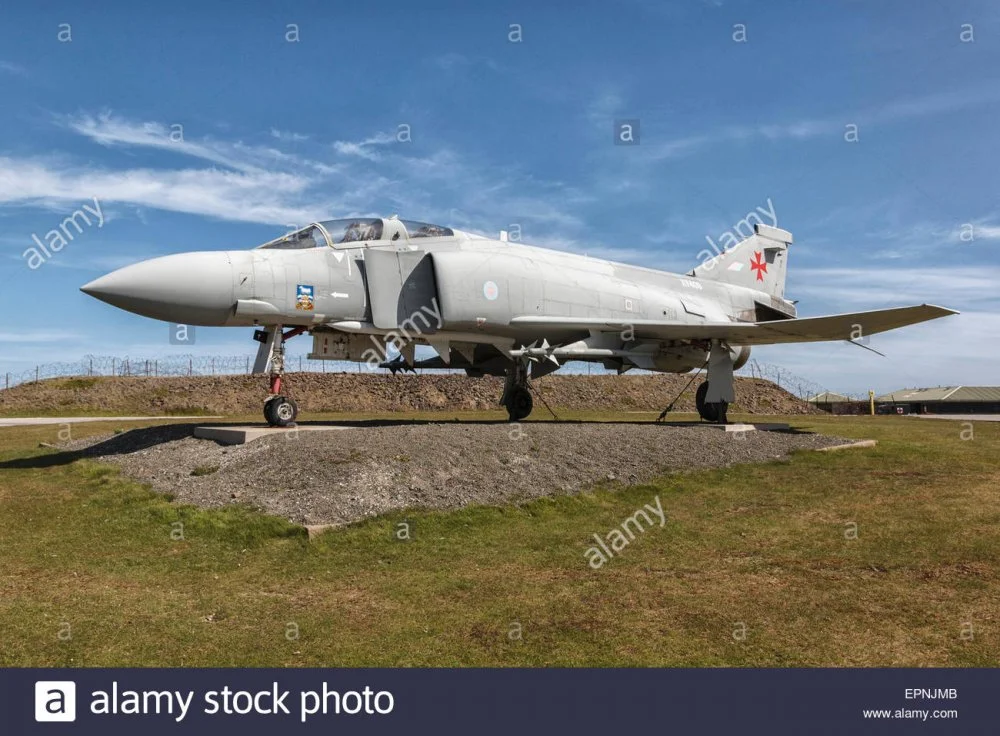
x=807, y=329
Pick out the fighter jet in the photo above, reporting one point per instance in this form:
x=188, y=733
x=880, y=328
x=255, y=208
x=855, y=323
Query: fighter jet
x=488, y=306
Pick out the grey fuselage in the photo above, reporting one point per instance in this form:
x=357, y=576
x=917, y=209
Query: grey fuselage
x=473, y=286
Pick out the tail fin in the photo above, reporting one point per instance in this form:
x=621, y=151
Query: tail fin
x=758, y=262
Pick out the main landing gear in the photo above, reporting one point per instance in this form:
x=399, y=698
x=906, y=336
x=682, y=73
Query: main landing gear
x=516, y=396
x=715, y=412
x=279, y=410
x=714, y=396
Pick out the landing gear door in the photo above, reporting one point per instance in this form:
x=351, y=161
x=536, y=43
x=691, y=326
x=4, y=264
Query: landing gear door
x=401, y=288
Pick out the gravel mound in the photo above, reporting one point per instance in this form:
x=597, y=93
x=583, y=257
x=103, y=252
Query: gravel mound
x=344, y=476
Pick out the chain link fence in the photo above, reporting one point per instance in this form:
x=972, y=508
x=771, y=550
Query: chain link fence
x=178, y=365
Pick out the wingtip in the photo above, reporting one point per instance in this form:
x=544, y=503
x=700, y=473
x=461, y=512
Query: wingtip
x=945, y=311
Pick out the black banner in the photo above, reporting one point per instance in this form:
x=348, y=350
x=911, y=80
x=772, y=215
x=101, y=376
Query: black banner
x=518, y=701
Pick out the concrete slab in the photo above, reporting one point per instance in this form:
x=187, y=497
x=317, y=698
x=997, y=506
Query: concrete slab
x=737, y=426
x=848, y=446
x=233, y=435
x=33, y=421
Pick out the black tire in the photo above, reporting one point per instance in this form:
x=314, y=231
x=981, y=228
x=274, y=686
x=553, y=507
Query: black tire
x=280, y=411
x=708, y=412
x=267, y=410
x=520, y=404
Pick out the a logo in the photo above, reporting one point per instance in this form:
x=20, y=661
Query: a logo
x=758, y=265
x=491, y=291
x=55, y=701
x=304, y=297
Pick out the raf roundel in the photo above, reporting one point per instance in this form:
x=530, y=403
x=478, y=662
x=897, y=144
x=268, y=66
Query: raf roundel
x=491, y=291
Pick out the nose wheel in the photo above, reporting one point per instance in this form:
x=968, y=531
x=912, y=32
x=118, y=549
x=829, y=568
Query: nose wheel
x=280, y=411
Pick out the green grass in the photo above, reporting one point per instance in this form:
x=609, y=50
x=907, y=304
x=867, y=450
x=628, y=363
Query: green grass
x=96, y=570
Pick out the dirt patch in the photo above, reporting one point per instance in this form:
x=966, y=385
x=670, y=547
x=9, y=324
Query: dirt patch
x=344, y=476
x=361, y=393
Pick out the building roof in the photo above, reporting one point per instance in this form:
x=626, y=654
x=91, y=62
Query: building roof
x=827, y=397
x=944, y=393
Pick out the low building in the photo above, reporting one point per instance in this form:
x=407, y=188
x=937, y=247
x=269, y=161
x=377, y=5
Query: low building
x=828, y=401
x=941, y=400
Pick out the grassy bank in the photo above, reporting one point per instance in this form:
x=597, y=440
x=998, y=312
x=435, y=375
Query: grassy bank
x=755, y=565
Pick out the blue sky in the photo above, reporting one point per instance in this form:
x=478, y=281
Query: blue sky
x=510, y=109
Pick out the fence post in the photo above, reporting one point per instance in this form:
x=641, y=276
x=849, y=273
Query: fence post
x=190, y=367
x=248, y=365
x=112, y=366
x=90, y=369
x=36, y=374
x=156, y=367
x=213, y=366
x=8, y=380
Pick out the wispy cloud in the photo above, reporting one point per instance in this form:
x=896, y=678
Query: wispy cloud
x=266, y=184
x=109, y=130
x=286, y=135
x=853, y=288
x=9, y=67
x=803, y=129
x=365, y=149
x=265, y=197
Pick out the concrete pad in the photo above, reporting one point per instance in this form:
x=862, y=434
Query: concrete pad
x=736, y=426
x=241, y=435
x=315, y=530
x=848, y=446
x=33, y=421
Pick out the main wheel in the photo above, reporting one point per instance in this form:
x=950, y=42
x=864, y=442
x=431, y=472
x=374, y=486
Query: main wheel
x=708, y=412
x=280, y=411
x=519, y=404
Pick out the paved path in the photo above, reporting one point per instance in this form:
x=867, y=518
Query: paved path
x=31, y=421
x=962, y=417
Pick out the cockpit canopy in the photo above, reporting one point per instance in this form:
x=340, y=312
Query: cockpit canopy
x=356, y=231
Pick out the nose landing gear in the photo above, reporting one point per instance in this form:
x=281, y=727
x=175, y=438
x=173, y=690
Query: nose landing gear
x=279, y=410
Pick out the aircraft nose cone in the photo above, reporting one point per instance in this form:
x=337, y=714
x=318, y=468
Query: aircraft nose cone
x=187, y=288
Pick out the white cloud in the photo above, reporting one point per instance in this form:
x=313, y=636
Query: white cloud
x=892, y=111
x=285, y=135
x=364, y=149
x=11, y=68
x=109, y=130
x=38, y=336
x=871, y=288
x=258, y=196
